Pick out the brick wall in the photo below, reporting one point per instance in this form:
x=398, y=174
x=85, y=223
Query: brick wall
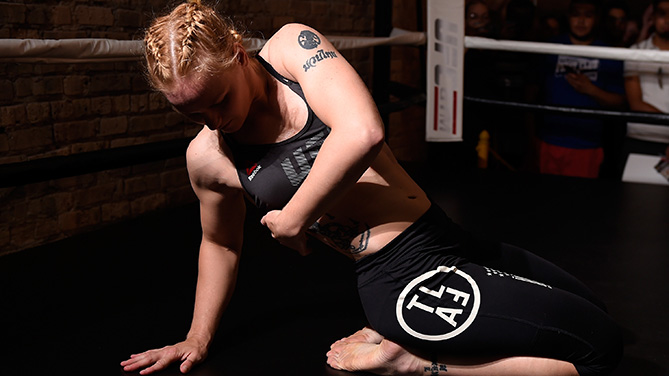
x=62, y=109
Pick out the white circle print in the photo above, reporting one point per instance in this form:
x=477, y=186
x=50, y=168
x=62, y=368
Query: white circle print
x=415, y=295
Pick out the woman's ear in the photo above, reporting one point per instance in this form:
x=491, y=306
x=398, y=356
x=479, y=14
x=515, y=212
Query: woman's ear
x=241, y=54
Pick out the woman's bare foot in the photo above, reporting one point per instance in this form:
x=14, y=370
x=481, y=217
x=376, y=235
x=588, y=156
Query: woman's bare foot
x=366, y=335
x=367, y=350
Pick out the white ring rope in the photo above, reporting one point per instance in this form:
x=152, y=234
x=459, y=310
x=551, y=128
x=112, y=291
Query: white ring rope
x=613, y=53
x=69, y=50
x=109, y=50
x=106, y=50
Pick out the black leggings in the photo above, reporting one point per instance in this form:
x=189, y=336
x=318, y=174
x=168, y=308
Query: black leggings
x=435, y=289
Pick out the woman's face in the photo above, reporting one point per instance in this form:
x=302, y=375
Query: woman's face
x=221, y=102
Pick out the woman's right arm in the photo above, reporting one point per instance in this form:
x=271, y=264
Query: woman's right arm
x=222, y=231
x=222, y=212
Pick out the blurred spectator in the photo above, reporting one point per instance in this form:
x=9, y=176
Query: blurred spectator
x=569, y=145
x=477, y=76
x=518, y=21
x=477, y=19
x=616, y=18
x=632, y=33
x=502, y=75
x=647, y=24
x=550, y=27
x=647, y=87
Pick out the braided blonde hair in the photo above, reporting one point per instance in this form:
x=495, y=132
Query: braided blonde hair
x=192, y=39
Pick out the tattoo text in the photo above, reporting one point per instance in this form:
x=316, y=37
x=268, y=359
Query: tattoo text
x=320, y=56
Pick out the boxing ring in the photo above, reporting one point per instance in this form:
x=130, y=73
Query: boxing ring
x=66, y=307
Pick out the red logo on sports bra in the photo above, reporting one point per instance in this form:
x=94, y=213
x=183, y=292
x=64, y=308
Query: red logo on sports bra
x=252, y=171
x=249, y=170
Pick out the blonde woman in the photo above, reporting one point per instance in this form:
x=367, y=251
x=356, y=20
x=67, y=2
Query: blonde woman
x=295, y=130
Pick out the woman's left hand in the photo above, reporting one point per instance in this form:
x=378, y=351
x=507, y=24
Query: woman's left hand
x=296, y=240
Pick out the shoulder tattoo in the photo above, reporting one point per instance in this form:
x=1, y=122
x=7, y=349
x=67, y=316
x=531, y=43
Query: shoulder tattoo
x=308, y=40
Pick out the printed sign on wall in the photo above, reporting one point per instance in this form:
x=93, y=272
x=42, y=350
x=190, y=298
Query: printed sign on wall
x=445, y=69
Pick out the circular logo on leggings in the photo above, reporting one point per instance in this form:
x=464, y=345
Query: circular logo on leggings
x=439, y=304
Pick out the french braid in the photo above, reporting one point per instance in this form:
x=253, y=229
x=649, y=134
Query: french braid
x=192, y=39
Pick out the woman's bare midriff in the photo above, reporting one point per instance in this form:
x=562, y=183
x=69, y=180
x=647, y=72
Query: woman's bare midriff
x=381, y=205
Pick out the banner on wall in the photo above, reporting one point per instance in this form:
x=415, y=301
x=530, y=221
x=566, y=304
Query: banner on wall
x=445, y=69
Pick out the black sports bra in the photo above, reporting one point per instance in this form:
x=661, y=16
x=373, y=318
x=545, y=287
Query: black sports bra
x=272, y=173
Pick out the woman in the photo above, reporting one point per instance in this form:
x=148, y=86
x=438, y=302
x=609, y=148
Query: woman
x=295, y=130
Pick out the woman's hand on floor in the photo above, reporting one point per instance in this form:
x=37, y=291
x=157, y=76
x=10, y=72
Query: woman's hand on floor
x=189, y=352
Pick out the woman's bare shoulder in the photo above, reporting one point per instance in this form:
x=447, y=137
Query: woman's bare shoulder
x=289, y=34
x=291, y=45
x=210, y=163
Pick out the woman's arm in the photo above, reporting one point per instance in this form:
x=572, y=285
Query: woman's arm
x=635, y=96
x=341, y=100
x=222, y=218
x=222, y=212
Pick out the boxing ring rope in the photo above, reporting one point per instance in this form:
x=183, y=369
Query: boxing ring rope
x=93, y=50
x=89, y=50
x=612, y=53
x=645, y=117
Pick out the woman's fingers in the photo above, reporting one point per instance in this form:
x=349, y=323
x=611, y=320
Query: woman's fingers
x=154, y=360
x=160, y=364
x=186, y=366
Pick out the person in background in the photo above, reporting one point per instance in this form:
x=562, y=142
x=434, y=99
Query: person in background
x=551, y=26
x=647, y=24
x=477, y=82
x=647, y=88
x=619, y=29
x=477, y=19
x=572, y=146
x=518, y=21
x=616, y=18
x=509, y=76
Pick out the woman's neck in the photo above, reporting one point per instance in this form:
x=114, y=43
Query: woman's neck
x=264, y=122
